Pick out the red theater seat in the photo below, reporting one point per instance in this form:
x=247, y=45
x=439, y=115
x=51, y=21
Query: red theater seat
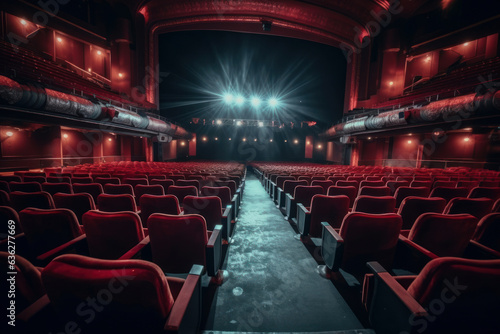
x=394, y=185
x=412, y=207
x=421, y=183
x=330, y=209
x=48, y=229
x=181, y=192
x=78, y=203
x=115, y=203
x=4, y=185
x=374, y=191
x=478, y=207
x=10, y=178
x=82, y=180
x=39, y=179
x=488, y=231
x=403, y=192
x=168, y=204
x=210, y=208
x=459, y=295
x=59, y=179
x=107, y=180
x=348, y=191
x=141, y=189
x=374, y=204
x=362, y=238
x=325, y=184
x=366, y=183
x=4, y=198
x=40, y=200
x=288, y=188
x=133, y=181
x=94, y=189
x=118, y=189
x=301, y=195
x=164, y=183
x=449, y=192
x=478, y=192
x=444, y=184
x=280, y=180
x=185, y=183
x=53, y=188
x=142, y=299
x=27, y=187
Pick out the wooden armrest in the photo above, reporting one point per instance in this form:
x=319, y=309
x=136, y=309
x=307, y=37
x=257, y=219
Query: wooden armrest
x=31, y=311
x=227, y=216
x=392, y=306
x=134, y=251
x=332, y=247
x=51, y=254
x=185, y=314
x=303, y=219
x=214, y=251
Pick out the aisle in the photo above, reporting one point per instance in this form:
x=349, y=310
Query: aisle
x=273, y=285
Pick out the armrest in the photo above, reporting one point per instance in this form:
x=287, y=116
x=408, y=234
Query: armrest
x=412, y=256
x=234, y=204
x=332, y=247
x=303, y=219
x=64, y=248
x=214, y=251
x=392, y=309
x=227, y=216
x=479, y=251
x=186, y=312
x=134, y=251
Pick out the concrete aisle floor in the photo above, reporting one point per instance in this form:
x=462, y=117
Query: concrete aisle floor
x=273, y=286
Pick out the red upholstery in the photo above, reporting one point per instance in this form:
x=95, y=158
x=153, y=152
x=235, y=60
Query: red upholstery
x=140, y=297
x=412, y=207
x=21, y=200
x=112, y=234
x=133, y=181
x=478, y=192
x=164, y=183
x=107, y=180
x=81, y=180
x=78, y=203
x=348, y=191
x=59, y=179
x=118, y=189
x=351, y=183
x=115, y=203
x=375, y=191
x=305, y=178
x=496, y=206
x=4, y=198
x=168, y=204
x=374, y=204
x=444, y=184
x=53, y=188
x=181, y=192
x=369, y=237
x=210, y=207
x=289, y=186
x=334, y=179
x=304, y=194
x=449, y=192
x=224, y=193
x=4, y=185
x=229, y=183
x=152, y=177
x=403, y=192
x=330, y=209
x=478, y=207
x=281, y=179
x=185, y=183
x=141, y=189
x=490, y=184
x=421, y=183
x=488, y=231
x=9, y=178
x=39, y=179
x=443, y=235
x=177, y=242
x=28, y=280
x=366, y=183
x=27, y=187
x=467, y=184
x=394, y=185
x=7, y=213
x=94, y=189
x=325, y=184
x=47, y=229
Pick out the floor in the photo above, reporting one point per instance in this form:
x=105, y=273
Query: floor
x=273, y=286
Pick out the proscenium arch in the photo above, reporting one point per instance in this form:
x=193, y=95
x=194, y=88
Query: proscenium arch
x=293, y=19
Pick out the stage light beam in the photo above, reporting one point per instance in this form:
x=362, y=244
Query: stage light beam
x=228, y=98
x=255, y=102
x=273, y=102
x=239, y=100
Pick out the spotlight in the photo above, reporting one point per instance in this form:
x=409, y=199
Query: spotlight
x=59, y=39
x=65, y=135
x=255, y=139
x=218, y=122
x=369, y=138
x=99, y=52
x=466, y=43
x=238, y=123
x=23, y=22
x=90, y=70
x=216, y=138
x=9, y=133
x=255, y=102
x=409, y=141
x=109, y=139
x=391, y=83
x=120, y=75
x=228, y=98
x=319, y=147
x=296, y=141
x=270, y=140
x=286, y=141
x=261, y=124
x=229, y=139
x=183, y=143
x=308, y=143
x=204, y=138
x=239, y=100
x=466, y=139
x=273, y=102
x=244, y=139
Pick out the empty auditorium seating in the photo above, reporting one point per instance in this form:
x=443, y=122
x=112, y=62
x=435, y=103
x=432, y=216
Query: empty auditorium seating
x=59, y=179
x=133, y=181
x=348, y=191
x=478, y=207
x=362, y=238
x=141, y=189
x=107, y=180
x=210, y=208
x=78, y=203
x=325, y=184
x=478, y=192
x=421, y=183
x=4, y=198
x=53, y=188
x=403, y=192
x=27, y=187
x=288, y=188
x=21, y=200
x=115, y=203
x=459, y=295
x=189, y=182
x=118, y=189
x=94, y=189
x=4, y=185
x=488, y=231
x=181, y=192
x=330, y=209
x=374, y=191
x=164, y=183
x=280, y=180
x=374, y=204
x=449, y=192
x=39, y=179
x=81, y=180
x=412, y=207
x=394, y=185
x=301, y=195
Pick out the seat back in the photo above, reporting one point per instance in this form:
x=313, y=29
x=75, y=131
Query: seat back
x=115, y=203
x=112, y=234
x=4, y=198
x=229, y=183
x=478, y=192
x=189, y=182
x=39, y=179
x=141, y=189
x=107, y=180
x=136, y=293
x=478, y=207
x=445, y=184
x=59, y=179
x=224, y=193
x=412, y=207
x=366, y=183
x=210, y=207
x=374, y=204
x=403, y=192
x=470, y=290
x=351, y=183
x=21, y=200
x=7, y=213
x=53, y=188
x=394, y=185
x=375, y=191
x=421, y=183
x=181, y=192
x=444, y=235
x=177, y=242
x=289, y=186
x=133, y=181
x=81, y=180
x=449, y=192
x=9, y=178
x=330, y=209
x=369, y=237
x=27, y=187
x=325, y=184
x=164, y=183
x=94, y=189
x=304, y=194
x=78, y=203
x=118, y=189
x=281, y=179
x=348, y=191
x=488, y=231
x=48, y=229
x=168, y=204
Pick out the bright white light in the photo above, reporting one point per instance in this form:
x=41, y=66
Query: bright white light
x=255, y=102
x=59, y=39
x=261, y=124
x=219, y=122
x=239, y=100
x=273, y=102
x=23, y=22
x=9, y=133
x=238, y=123
x=228, y=98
